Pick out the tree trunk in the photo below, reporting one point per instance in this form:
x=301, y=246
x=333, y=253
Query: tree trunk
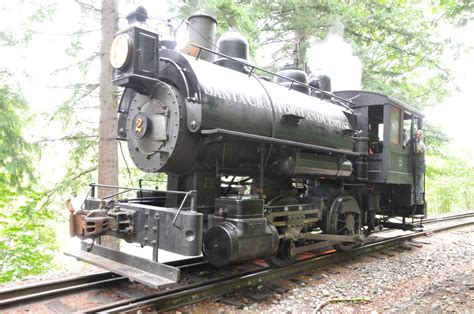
x=108, y=154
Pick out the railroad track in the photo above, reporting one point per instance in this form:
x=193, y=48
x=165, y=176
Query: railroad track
x=56, y=288
x=448, y=217
x=197, y=289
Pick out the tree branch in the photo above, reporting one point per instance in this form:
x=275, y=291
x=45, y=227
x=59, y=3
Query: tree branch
x=89, y=59
x=51, y=192
x=92, y=88
x=82, y=32
x=65, y=138
x=87, y=6
x=399, y=49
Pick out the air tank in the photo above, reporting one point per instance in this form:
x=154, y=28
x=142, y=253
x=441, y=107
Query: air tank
x=361, y=146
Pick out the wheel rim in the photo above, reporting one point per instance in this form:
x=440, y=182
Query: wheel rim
x=345, y=219
x=344, y=216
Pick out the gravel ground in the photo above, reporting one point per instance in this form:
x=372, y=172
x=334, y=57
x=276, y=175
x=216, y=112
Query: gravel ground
x=436, y=277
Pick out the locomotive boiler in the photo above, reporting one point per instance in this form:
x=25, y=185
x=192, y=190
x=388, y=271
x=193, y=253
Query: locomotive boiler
x=258, y=164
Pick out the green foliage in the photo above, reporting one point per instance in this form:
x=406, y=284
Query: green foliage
x=449, y=175
x=80, y=139
x=79, y=134
x=394, y=40
x=449, y=181
x=460, y=12
x=27, y=241
x=16, y=154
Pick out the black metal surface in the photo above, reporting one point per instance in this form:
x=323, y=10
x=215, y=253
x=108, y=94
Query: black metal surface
x=182, y=229
x=344, y=102
x=320, y=81
x=166, y=139
x=205, y=94
x=257, y=138
x=142, y=70
x=233, y=44
x=366, y=98
x=294, y=74
x=238, y=231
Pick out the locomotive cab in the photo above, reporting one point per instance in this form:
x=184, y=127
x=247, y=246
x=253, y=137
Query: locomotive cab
x=390, y=125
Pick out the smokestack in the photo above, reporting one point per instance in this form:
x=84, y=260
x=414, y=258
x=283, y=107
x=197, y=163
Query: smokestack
x=202, y=32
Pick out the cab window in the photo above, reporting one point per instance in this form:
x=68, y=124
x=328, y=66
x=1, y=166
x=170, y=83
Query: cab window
x=395, y=125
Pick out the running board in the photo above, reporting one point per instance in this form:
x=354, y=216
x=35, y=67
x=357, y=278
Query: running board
x=142, y=270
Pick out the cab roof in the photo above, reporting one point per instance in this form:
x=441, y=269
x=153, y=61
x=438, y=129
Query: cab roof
x=362, y=98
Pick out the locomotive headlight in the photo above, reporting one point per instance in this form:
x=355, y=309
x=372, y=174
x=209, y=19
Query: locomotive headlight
x=121, y=51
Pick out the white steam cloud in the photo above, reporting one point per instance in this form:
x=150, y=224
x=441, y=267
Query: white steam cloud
x=334, y=57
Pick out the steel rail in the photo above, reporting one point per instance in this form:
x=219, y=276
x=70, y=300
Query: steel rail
x=32, y=293
x=27, y=294
x=22, y=295
x=182, y=296
x=449, y=217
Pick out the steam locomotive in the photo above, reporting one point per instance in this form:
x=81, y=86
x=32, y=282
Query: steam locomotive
x=259, y=164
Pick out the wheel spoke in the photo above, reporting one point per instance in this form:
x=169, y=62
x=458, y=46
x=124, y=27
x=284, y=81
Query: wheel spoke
x=345, y=219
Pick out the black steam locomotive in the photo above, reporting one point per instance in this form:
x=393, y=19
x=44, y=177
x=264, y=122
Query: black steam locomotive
x=257, y=166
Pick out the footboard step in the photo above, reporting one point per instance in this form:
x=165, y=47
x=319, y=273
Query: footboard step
x=135, y=268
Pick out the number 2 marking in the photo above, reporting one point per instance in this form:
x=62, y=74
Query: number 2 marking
x=139, y=125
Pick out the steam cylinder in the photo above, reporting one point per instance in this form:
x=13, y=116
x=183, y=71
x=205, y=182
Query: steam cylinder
x=227, y=242
x=239, y=231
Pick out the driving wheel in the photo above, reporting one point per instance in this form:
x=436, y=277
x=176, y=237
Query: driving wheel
x=344, y=219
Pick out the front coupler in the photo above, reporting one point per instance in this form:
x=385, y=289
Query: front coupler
x=175, y=229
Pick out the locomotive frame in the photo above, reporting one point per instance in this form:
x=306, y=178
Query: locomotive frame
x=304, y=165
